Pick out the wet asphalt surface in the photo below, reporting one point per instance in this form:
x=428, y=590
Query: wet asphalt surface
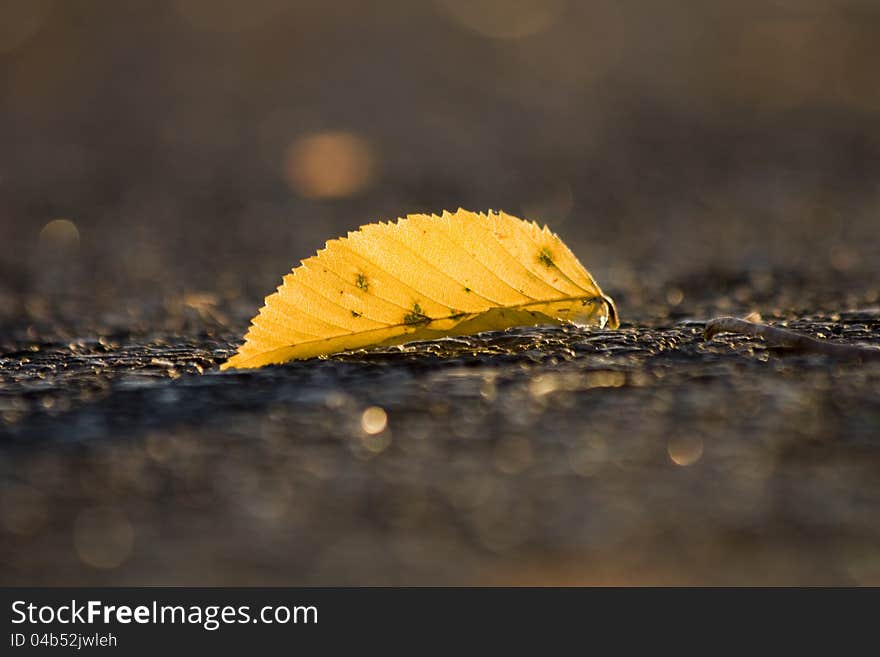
x=539, y=455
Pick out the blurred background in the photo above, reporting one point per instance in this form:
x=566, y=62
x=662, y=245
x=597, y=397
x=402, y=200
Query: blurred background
x=162, y=148
x=164, y=162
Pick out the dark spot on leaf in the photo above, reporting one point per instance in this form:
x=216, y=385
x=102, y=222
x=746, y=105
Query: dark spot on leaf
x=455, y=313
x=416, y=316
x=362, y=283
x=545, y=257
x=467, y=289
x=354, y=313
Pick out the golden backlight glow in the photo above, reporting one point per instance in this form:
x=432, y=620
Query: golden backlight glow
x=422, y=278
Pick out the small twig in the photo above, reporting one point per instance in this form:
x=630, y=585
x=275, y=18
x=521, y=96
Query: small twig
x=784, y=338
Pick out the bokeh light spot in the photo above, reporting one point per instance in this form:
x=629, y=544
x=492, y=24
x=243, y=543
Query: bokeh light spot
x=674, y=296
x=103, y=537
x=329, y=165
x=604, y=379
x=24, y=510
x=543, y=385
x=60, y=233
x=374, y=420
x=685, y=450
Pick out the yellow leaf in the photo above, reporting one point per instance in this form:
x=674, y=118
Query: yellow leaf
x=422, y=278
